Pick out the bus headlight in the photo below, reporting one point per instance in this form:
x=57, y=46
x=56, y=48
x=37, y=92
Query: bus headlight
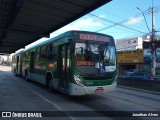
x=78, y=81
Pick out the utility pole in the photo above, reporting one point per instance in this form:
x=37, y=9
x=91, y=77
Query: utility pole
x=153, y=40
x=153, y=45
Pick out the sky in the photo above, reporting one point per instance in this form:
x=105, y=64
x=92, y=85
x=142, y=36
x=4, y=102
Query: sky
x=118, y=18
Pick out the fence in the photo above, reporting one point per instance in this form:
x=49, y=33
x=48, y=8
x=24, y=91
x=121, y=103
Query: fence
x=153, y=85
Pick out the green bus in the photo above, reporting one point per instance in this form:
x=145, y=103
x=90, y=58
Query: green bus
x=75, y=62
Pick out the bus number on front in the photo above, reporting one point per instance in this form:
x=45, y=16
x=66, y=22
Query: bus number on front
x=89, y=83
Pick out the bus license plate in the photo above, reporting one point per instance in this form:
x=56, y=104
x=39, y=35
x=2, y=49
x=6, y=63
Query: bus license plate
x=99, y=90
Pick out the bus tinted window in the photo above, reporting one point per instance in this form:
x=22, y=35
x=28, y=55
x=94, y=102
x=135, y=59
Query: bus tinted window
x=43, y=53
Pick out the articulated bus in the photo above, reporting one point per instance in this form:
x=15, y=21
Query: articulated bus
x=75, y=62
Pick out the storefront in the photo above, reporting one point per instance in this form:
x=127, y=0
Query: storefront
x=138, y=60
x=129, y=60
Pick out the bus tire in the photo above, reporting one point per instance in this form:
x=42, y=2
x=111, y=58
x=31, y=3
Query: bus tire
x=26, y=77
x=50, y=83
x=15, y=72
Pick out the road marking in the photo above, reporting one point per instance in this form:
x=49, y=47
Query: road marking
x=42, y=97
x=52, y=103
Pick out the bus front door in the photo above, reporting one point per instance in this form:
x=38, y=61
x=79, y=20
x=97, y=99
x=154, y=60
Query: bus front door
x=64, y=67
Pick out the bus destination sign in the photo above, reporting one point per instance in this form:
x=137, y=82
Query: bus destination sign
x=93, y=37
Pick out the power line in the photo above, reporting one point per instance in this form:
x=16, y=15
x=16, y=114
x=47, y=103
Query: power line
x=114, y=23
x=144, y=19
x=125, y=20
x=146, y=12
x=111, y=13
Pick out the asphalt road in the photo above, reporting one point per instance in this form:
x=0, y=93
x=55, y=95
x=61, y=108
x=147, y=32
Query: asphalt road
x=19, y=95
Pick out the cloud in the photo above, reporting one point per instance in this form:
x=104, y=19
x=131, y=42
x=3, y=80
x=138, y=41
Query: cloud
x=134, y=20
x=102, y=16
x=87, y=23
x=81, y=24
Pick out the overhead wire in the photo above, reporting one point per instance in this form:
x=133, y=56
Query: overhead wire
x=120, y=24
x=144, y=19
x=114, y=23
x=146, y=12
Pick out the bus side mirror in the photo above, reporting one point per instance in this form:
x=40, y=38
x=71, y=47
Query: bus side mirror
x=79, y=50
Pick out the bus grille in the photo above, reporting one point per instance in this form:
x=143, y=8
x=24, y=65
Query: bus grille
x=97, y=78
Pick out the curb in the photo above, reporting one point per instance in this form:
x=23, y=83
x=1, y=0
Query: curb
x=141, y=90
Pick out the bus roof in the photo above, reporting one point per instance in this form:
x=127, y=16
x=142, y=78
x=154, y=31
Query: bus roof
x=68, y=33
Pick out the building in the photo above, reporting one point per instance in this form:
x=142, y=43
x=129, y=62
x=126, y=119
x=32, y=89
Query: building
x=130, y=54
x=129, y=44
x=129, y=60
x=135, y=54
x=5, y=59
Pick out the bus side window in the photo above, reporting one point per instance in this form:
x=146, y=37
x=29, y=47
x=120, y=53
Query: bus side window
x=54, y=50
x=49, y=52
x=37, y=53
x=26, y=57
x=43, y=53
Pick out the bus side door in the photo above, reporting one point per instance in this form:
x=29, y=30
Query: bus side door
x=64, y=66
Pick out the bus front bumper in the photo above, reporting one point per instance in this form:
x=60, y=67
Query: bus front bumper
x=84, y=90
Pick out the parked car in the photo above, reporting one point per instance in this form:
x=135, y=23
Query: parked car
x=142, y=76
x=125, y=75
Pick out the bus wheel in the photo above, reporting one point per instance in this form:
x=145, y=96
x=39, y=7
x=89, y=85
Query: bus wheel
x=26, y=77
x=15, y=72
x=50, y=84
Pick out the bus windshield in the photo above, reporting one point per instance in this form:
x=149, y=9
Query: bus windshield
x=95, y=58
